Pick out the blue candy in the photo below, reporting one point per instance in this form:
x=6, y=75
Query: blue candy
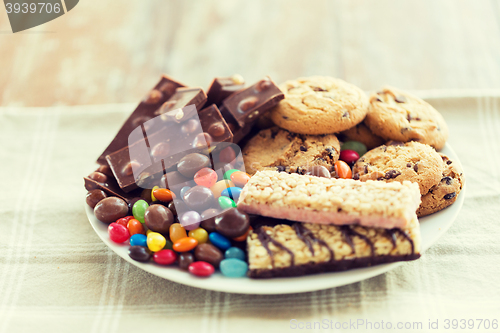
x=183, y=191
x=219, y=241
x=234, y=253
x=232, y=192
x=233, y=268
x=139, y=239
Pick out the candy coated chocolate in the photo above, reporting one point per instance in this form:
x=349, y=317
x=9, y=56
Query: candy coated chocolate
x=190, y=164
x=208, y=219
x=110, y=209
x=199, y=198
x=232, y=223
x=158, y=218
x=139, y=253
x=185, y=259
x=94, y=196
x=209, y=253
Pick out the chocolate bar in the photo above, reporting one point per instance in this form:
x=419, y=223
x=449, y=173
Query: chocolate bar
x=286, y=250
x=150, y=154
x=162, y=91
x=103, y=179
x=222, y=87
x=307, y=198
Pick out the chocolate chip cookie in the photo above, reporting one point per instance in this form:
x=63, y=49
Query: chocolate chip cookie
x=362, y=133
x=397, y=161
x=397, y=115
x=279, y=147
x=319, y=105
x=445, y=192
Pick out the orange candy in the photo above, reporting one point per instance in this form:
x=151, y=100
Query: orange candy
x=163, y=194
x=177, y=232
x=220, y=186
x=240, y=178
x=242, y=238
x=135, y=227
x=185, y=244
x=343, y=170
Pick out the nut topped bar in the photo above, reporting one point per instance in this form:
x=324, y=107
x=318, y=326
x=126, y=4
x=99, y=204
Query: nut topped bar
x=313, y=199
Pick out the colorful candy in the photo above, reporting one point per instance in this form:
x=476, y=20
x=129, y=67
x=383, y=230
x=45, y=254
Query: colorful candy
x=139, y=253
x=220, y=186
x=124, y=220
x=239, y=178
x=190, y=220
x=118, y=233
x=209, y=253
x=232, y=192
x=183, y=191
x=156, y=241
x=138, y=240
x=135, y=227
x=349, y=156
x=153, y=198
x=177, y=232
x=201, y=268
x=233, y=268
x=185, y=244
x=199, y=198
x=234, y=252
x=168, y=244
x=220, y=241
x=358, y=147
x=343, y=170
x=227, y=174
x=206, y=177
x=163, y=194
x=165, y=257
x=200, y=234
x=139, y=209
x=243, y=237
x=225, y=202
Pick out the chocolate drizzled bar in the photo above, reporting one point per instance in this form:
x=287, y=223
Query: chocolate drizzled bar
x=306, y=248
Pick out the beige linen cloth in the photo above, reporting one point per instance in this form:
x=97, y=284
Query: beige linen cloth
x=57, y=276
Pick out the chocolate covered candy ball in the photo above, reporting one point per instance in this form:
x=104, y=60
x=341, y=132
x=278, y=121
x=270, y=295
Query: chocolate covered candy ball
x=94, y=196
x=232, y=223
x=158, y=218
x=208, y=219
x=199, y=198
x=110, y=209
x=192, y=163
x=209, y=253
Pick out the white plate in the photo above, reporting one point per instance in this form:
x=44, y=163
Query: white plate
x=432, y=227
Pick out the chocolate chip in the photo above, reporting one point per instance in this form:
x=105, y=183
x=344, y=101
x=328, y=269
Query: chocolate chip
x=391, y=174
x=302, y=148
x=317, y=88
x=273, y=134
x=320, y=159
x=380, y=178
x=365, y=168
x=408, y=165
x=331, y=152
x=281, y=168
x=406, y=129
x=400, y=99
x=346, y=114
x=356, y=176
x=379, y=100
x=448, y=180
x=449, y=162
x=450, y=196
x=415, y=167
x=284, y=117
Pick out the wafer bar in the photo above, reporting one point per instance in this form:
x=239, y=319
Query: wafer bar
x=313, y=199
x=286, y=250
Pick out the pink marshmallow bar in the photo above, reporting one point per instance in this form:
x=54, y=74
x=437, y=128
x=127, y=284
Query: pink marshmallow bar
x=313, y=199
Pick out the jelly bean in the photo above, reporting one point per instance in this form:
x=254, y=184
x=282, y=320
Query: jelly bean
x=139, y=240
x=177, y=232
x=199, y=198
x=232, y=192
x=343, y=170
x=232, y=223
x=233, y=268
x=240, y=178
x=139, y=209
x=158, y=218
x=124, y=220
x=190, y=220
x=225, y=202
x=118, y=233
x=184, y=190
x=209, y=253
x=94, y=196
x=139, y=253
x=243, y=237
x=358, y=147
x=185, y=244
x=165, y=257
x=208, y=219
x=192, y=163
x=135, y=227
x=163, y=194
x=185, y=259
x=227, y=155
x=220, y=241
x=168, y=244
x=156, y=241
x=234, y=252
x=220, y=186
x=200, y=234
x=110, y=209
x=153, y=198
x=227, y=174
x=206, y=177
x=349, y=156
x=201, y=268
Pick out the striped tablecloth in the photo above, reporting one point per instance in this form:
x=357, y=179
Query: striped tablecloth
x=57, y=276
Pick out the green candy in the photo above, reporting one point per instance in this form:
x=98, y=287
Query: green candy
x=227, y=174
x=169, y=245
x=225, y=202
x=358, y=147
x=139, y=209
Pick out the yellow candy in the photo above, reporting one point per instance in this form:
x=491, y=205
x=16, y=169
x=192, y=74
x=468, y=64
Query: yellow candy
x=220, y=186
x=152, y=196
x=156, y=241
x=200, y=234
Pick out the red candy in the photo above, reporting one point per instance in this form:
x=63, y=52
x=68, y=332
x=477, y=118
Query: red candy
x=206, y=177
x=201, y=268
x=118, y=233
x=124, y=220
x=349, y=156
x=165, y=257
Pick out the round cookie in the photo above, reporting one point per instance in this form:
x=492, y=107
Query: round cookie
x=397, y=115
x=362, y=133
x=319, y=105
x=445, y=192
x=278, y=147
x=397, y=161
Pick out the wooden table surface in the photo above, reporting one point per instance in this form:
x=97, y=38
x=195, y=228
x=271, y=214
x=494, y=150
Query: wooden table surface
x=114, y=51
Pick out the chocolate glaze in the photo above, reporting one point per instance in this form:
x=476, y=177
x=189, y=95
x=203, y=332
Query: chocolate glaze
x=308, y=238
x=393, y=237
x=265, y=239
x=348, y=233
